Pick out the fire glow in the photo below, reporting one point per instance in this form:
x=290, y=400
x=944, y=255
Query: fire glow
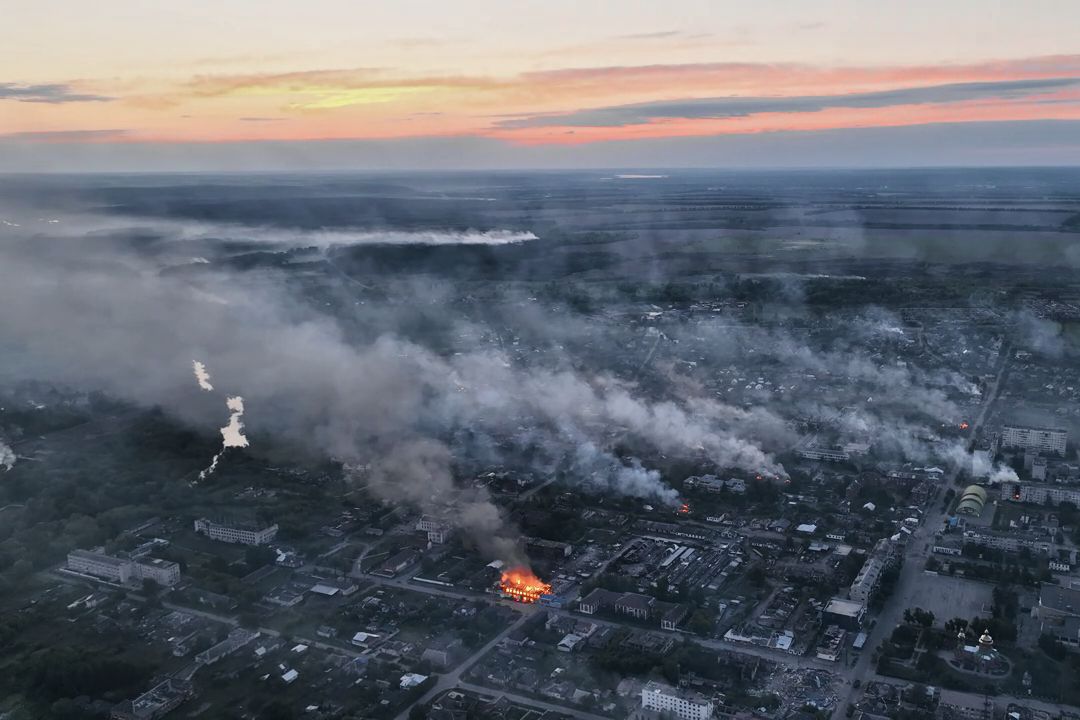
x=522, y=585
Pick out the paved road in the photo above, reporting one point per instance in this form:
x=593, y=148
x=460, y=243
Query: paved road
x=905, y=593
x=525, y=700
x=1001, y=701
x=452, y=679
x=710, y=643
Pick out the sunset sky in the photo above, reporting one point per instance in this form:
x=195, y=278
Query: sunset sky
x=267, y=84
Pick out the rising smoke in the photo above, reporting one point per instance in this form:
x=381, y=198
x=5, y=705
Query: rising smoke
x=202, y=376
x=401, y=412
x=232, y=435
x=389, y=404
x=7, y=456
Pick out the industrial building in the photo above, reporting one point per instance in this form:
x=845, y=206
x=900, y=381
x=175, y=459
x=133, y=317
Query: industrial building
x=972, y=500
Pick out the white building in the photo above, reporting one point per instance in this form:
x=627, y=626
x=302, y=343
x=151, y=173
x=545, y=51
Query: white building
x=683, y=704
x=99, y=565
x=164, y=572
x=236, y=534
x=1040, y=493
x=437, y=530
x=1040, y=439
x=867, y=581
x=122, y=570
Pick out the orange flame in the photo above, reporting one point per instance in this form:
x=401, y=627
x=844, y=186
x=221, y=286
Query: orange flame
x=963, y=426
x=684, y=508
x=522, y=585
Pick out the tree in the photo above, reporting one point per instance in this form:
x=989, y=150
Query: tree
x=276, y=710
x=257, y=556
x=150, y=587
x=1049, y=645
x=701, y=623
x=1006, y=603
x=955, y=626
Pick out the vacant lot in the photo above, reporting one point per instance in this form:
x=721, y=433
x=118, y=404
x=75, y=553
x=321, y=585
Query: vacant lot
x=949, y=597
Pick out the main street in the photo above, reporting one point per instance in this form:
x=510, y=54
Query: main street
x=905, y=592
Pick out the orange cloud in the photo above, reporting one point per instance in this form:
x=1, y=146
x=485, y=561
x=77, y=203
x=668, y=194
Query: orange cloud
x=378, y=102
x=830, y=119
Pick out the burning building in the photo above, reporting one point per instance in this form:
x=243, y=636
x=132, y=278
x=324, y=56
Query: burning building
x=522, y=585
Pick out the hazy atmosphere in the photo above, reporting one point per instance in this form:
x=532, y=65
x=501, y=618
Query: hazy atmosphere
x=522, y=361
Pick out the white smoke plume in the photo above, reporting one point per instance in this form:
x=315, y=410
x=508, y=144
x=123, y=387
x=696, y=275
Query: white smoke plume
x=378, y=400
x=232, y=434
x=7, y=456
x=601, y=471
x=980, y=466
x=202, y=376
x=190, y=231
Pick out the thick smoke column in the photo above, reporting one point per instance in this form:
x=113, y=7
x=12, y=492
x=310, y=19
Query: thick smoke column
x=232, y=434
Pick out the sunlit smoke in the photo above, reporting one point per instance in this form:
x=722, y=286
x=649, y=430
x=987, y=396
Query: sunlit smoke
x=232, y=435
x=202, y=376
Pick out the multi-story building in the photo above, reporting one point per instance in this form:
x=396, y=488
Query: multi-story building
x=812, y=451
x=123, y=570
x=675, y=702
x=244, y=534
x=884, y=555
x=866, y=582
x=1049, y=440
x=437, y=530
x=100, y=565
x=1039, y=493
x=1006, y=540
x=164, y=572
